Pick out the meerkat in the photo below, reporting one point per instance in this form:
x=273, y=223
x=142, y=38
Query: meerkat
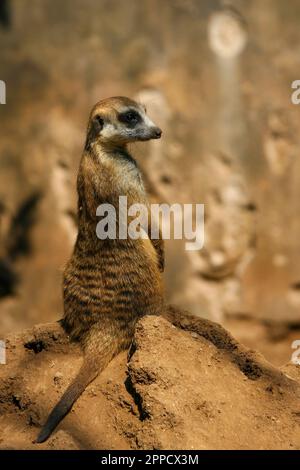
x=109, y=284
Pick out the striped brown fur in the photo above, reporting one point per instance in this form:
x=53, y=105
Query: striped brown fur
x=108, y=284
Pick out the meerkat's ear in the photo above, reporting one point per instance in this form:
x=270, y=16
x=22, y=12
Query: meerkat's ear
x=98, y=123
x=94, y=129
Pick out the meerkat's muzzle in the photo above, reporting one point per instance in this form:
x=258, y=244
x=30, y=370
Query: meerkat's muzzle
x=149, y=133
x=156, y=133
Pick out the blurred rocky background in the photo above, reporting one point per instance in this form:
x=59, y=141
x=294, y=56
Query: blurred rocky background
x=216, y=76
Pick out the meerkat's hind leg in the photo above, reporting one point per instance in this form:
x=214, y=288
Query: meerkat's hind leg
x=252, y=364
x=209, y=330
x=99, y=350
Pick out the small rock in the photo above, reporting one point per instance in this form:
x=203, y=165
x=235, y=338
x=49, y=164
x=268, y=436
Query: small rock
x=58, y=377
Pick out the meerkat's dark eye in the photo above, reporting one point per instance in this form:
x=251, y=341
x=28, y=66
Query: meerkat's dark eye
x=130, y=117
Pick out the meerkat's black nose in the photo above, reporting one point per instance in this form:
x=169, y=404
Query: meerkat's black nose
x=157, y=132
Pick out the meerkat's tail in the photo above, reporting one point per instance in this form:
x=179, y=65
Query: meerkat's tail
x=93, y=364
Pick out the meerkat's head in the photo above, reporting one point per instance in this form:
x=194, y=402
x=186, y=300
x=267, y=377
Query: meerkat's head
x=118, y=121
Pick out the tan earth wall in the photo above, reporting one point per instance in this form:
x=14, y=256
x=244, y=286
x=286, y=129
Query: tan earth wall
x=219, y=85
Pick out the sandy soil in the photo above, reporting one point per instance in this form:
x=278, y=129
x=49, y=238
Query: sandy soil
x=176, y=391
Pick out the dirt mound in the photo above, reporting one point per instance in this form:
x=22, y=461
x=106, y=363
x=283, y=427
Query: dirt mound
x=177, y=391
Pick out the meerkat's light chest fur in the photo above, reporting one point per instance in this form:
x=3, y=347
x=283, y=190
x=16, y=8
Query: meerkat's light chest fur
x=124, y=172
